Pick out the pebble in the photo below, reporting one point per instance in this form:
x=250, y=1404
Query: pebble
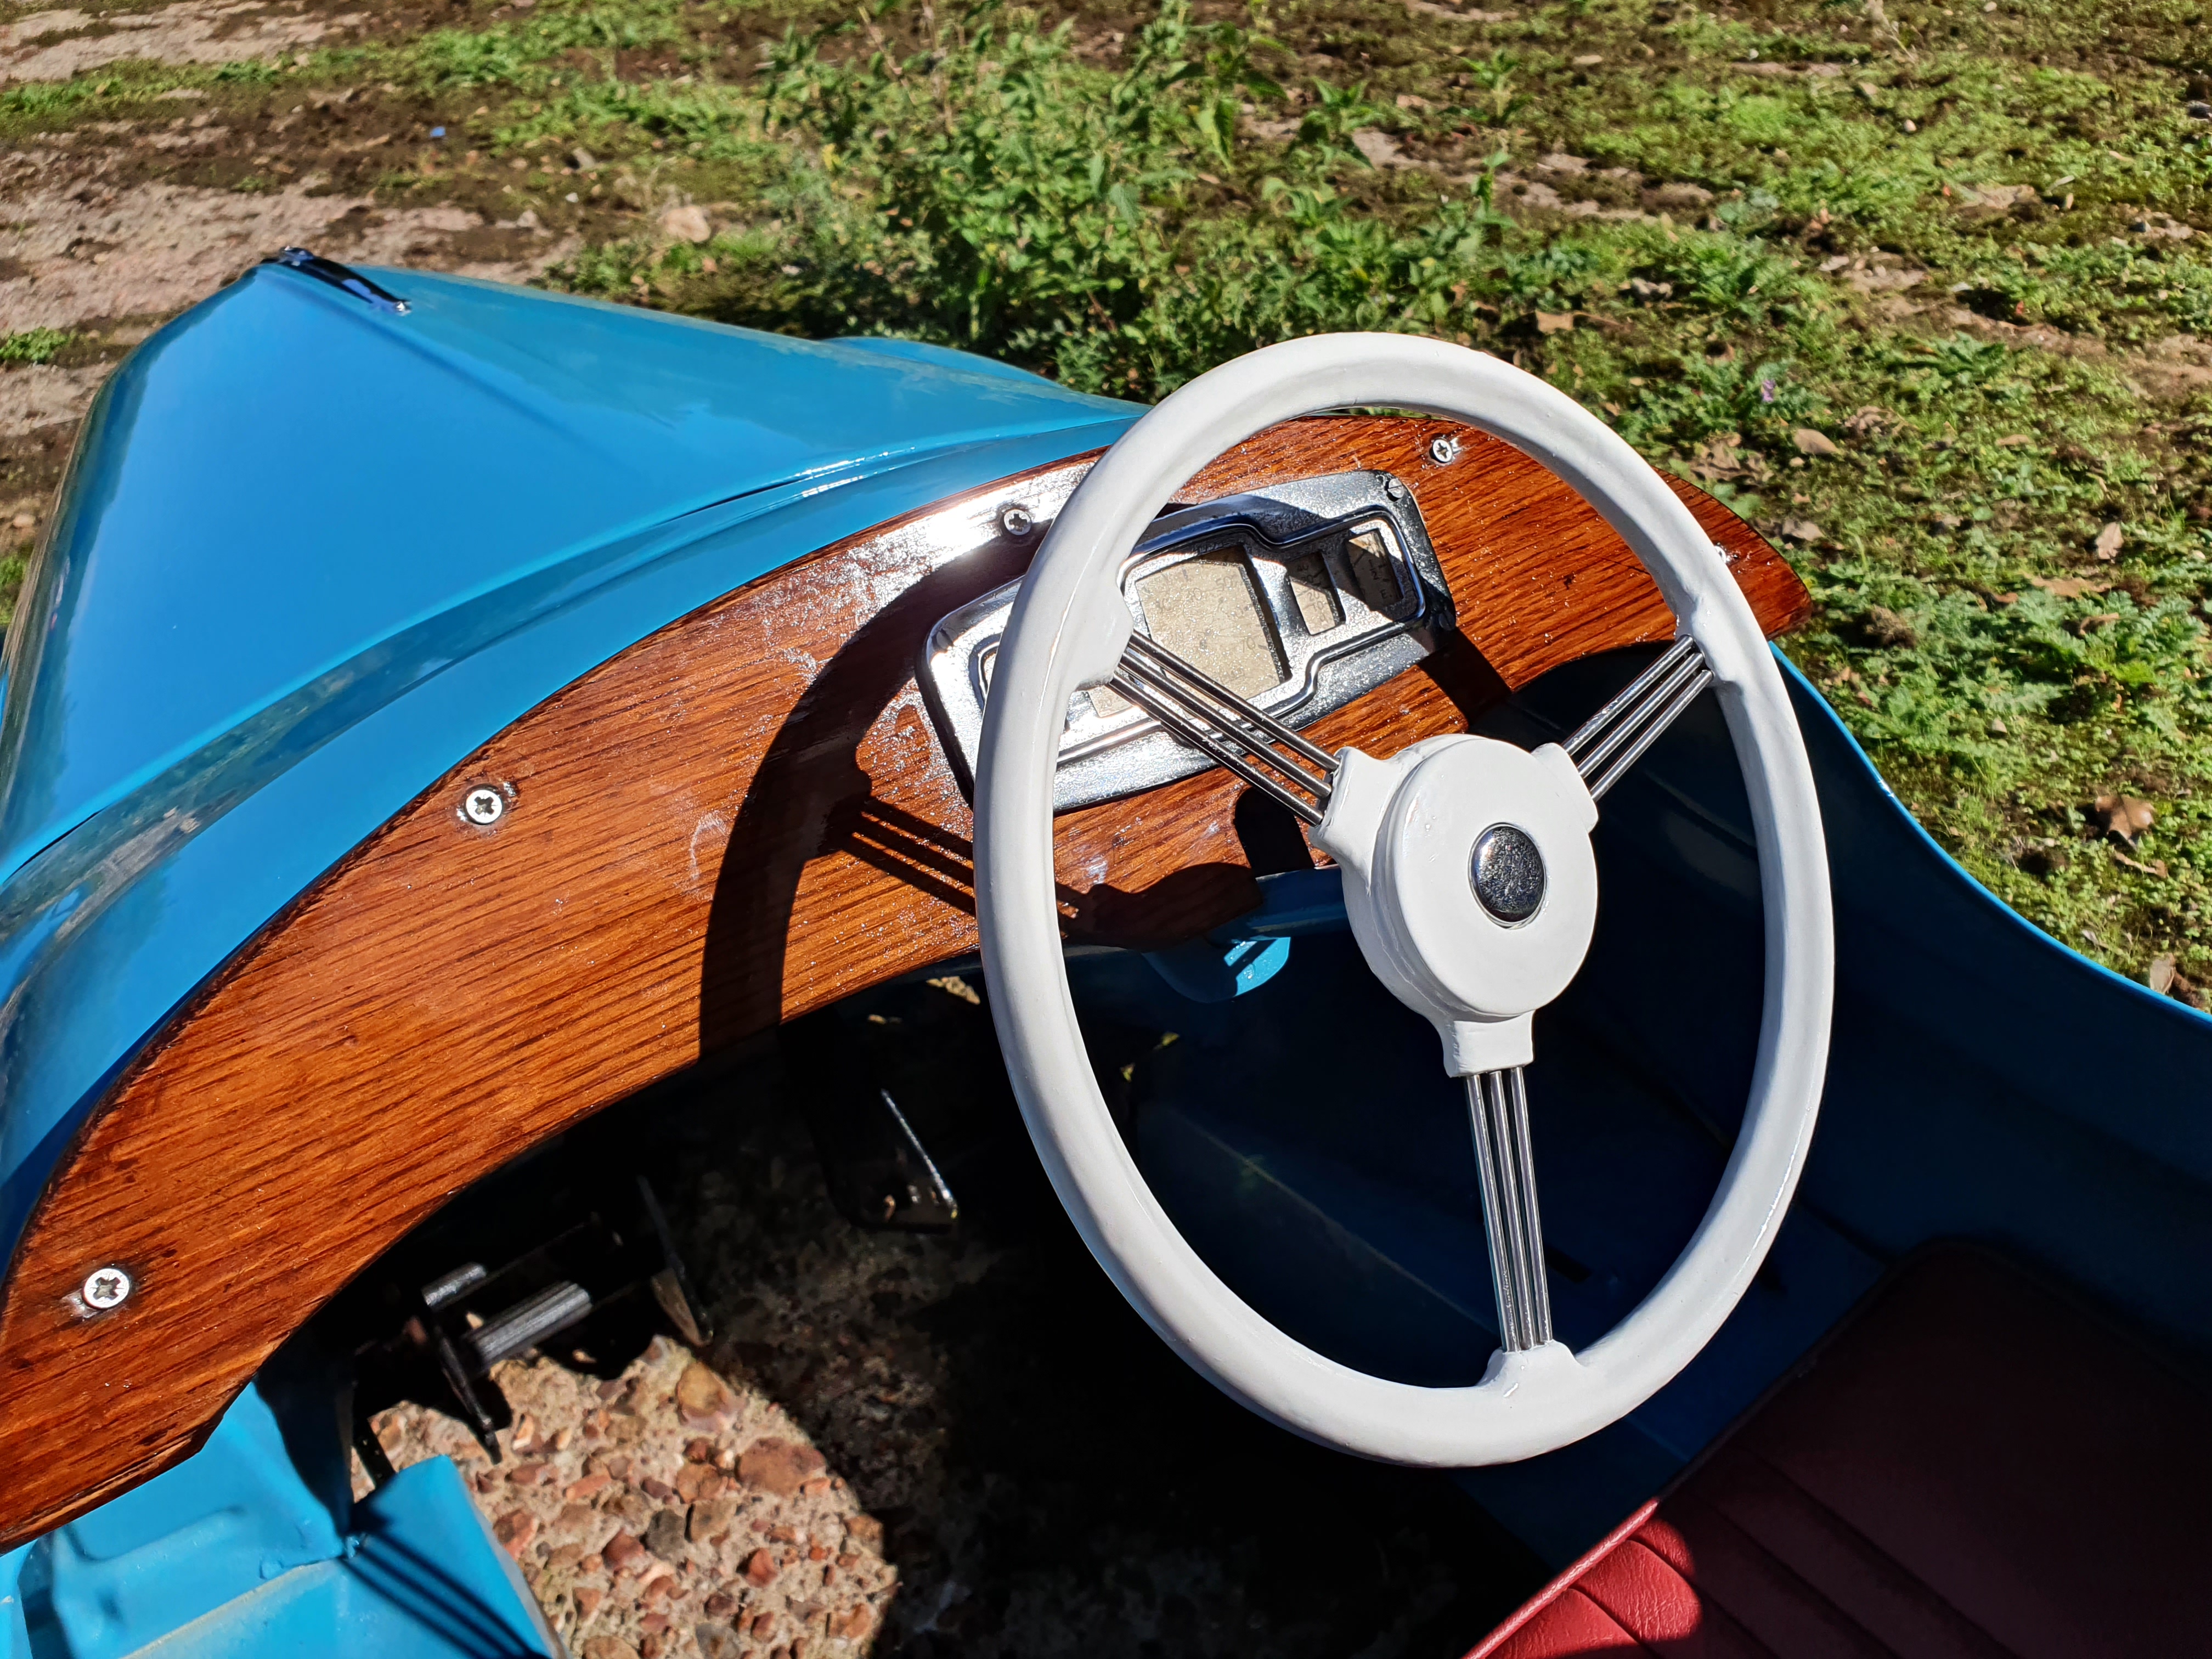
x=652, y=1487
x=590, y=1485
x=664, y=1537
x=703, y=1400
x=716, y=1640
x=609, y=1647
x=621, y=1551
x=761, y=1568
x=515, y=1529
x=686, y=224
x=712, y=1518
x=696, y=1480
x=778, y=1466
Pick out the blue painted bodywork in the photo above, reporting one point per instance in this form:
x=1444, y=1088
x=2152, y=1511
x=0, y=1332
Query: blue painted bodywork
x=313, y=553
x=234, y=1552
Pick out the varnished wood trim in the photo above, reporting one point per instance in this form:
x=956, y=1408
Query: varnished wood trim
x=742, y=818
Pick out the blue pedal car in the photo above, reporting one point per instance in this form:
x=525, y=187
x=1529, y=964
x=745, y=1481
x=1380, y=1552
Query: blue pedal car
x=440, y=715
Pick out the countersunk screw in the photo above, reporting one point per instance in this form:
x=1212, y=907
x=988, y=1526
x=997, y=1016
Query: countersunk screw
x=106, y=1288
x=1393, y=489
x=1016, y=521
x=1443, y=451
x=483, y=805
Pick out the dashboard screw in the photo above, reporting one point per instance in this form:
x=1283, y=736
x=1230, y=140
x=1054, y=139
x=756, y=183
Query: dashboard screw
x=483, y=805
x=106, y=1288
x=1016, y=521
x=1443, y=451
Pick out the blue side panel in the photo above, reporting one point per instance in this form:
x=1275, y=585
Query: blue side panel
x=223, y=1523
x=233, y=1552
x=425, y=1581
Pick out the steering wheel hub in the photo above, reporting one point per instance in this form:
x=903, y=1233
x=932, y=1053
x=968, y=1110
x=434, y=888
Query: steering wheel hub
x=1507, y=873
x=1418, y=835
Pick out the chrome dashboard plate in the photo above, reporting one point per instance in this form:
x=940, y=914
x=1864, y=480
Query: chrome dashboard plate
x=1301, y=597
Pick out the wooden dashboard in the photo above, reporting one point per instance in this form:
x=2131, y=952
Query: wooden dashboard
x=742, y=818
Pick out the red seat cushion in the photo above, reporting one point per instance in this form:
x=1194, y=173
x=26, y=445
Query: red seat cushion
x=1970, y=1466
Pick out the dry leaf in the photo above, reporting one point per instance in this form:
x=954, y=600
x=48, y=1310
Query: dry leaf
x=1554, y=322
x=2160, y=977
x=2156, y=867
x=2068, y=588
x=2107, y=543
x=2012, y=442
x=1801, y=530
x=2124, y=816
x=1810, y=442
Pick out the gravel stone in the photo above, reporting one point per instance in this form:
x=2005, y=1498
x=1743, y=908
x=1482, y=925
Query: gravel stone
x=712, y=1518
x=515, y=1529
x=703, y=1400
x=664, y=1537
x=621, y=1551
x=778, y=1465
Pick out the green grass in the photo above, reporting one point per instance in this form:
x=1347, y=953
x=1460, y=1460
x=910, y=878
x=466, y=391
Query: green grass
x=1123, y=200
x=34, y=345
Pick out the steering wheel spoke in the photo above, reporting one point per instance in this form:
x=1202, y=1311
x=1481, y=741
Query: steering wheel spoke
x=1243, y=736
x=1615, y=738
x=1498, y=1106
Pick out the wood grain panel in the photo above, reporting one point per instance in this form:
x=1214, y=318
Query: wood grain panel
x=742, y=818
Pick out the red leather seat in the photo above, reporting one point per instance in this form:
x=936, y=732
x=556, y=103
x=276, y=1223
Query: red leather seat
x=1971, y=1465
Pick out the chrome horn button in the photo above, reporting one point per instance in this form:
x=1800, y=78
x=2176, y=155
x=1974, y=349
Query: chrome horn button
x=1507, y=873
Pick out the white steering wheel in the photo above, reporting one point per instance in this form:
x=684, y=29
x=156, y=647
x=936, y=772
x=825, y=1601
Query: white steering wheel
x=1470, y=884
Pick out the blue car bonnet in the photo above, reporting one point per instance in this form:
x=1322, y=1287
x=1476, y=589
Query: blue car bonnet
x=286, y=476
x=313, y=551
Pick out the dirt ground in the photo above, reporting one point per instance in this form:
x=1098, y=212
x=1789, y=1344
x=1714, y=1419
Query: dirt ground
x=114, y=227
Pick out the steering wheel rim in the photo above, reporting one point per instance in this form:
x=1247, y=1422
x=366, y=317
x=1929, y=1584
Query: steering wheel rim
x=1068, y=628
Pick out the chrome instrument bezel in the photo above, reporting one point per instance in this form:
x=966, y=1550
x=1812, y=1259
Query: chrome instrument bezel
x=1107, y=753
